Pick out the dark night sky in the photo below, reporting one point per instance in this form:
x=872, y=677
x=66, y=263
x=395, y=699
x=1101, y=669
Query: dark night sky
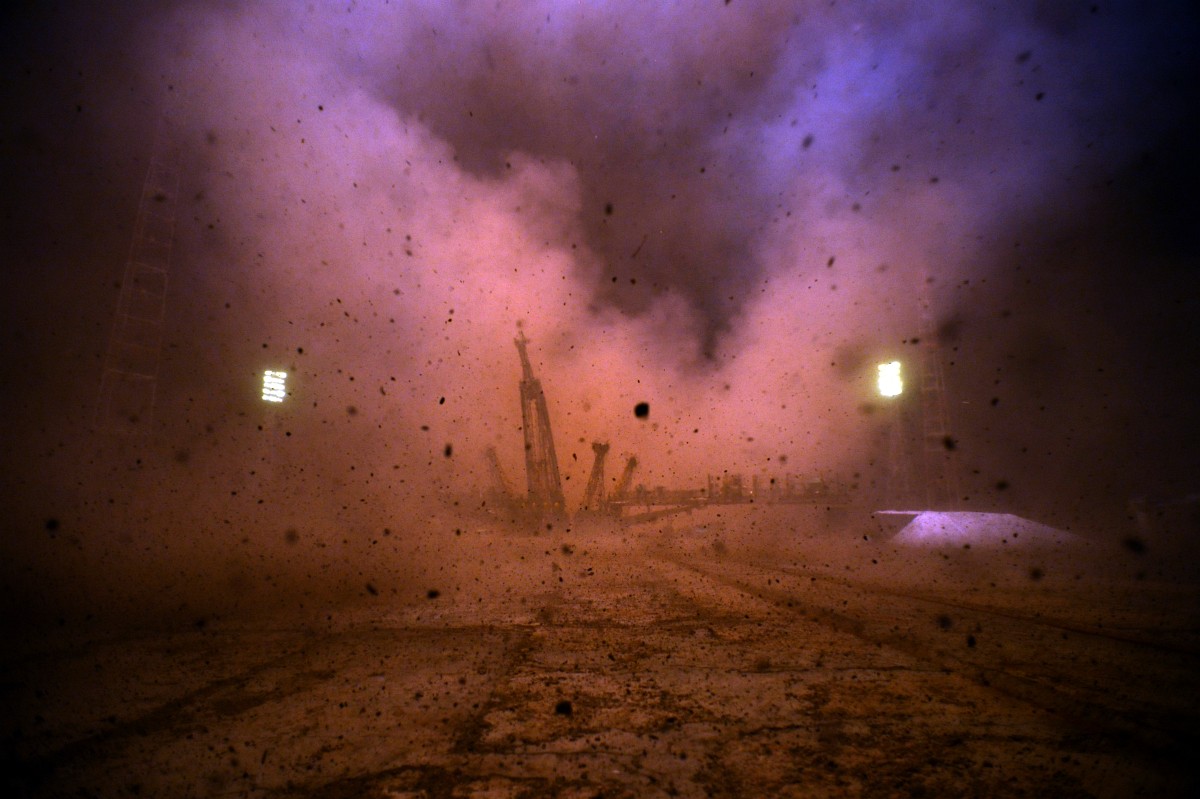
x=724, y=209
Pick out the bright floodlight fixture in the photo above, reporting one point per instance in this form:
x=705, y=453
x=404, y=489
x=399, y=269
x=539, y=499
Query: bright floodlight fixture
x=890, y=384
x=274, y=386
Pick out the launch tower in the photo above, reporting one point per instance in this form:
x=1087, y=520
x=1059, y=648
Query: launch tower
x=937, y=443
x=129, y=380
x=541, y=463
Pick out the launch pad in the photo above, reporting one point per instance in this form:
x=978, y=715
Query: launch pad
x=654, y=671
x=543, y=505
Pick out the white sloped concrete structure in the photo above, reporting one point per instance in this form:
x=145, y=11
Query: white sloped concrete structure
x=937, y=528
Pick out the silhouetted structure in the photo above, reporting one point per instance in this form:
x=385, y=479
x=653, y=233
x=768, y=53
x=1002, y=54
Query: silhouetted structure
x=731, y=489
x=622, y=490
x=541, y=463
x=593, y=498
x=129, y=380
x=941, y=483
x=500, y=496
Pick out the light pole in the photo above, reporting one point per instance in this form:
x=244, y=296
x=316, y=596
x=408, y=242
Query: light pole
x=890, y=382
x=274, y=392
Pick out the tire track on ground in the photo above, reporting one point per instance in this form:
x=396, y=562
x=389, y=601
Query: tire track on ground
x=1156, y=731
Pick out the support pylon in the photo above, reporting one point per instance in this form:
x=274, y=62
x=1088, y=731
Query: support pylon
x=593, y=497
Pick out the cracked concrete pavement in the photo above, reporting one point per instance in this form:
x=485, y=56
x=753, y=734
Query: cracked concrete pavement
x=578, y=665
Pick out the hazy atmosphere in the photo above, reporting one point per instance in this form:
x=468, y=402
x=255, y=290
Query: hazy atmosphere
x=730, y=211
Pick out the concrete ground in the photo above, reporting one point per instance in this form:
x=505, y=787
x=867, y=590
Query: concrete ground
x=678, y=663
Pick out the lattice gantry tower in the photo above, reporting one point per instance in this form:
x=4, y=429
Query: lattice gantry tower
x=938, y=445
x=128, y=383
x=541, y=462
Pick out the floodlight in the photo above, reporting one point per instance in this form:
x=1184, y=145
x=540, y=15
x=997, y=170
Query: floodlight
x=890, y=384
x=274, y=386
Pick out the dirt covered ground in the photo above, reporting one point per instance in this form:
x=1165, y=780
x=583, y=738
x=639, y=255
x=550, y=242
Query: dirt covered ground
x=732, y=652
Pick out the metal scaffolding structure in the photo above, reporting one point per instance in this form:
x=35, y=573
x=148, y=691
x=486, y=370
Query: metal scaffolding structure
x=593, y=497
x=938, y=445
x=621, y=492
x=545, y=492
x=128, y=383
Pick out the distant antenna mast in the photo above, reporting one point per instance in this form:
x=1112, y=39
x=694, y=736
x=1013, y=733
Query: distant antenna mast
x=129, y=381
x=940, y=460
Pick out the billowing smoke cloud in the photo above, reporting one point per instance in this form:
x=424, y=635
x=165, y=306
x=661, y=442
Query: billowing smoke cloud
x=732, y=183
x=727, y=210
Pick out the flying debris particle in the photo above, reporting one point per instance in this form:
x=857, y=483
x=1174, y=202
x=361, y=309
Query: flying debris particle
x=970, y=642
x=351, y=410
x=372, y=590
x=291, y=535
x=433, y=593
x=1036, y=574
x=641, y=244
x=441, y=400
x=1001, y=485
x=949, y=443
x=564, y=708
x=608, y=209
x=944, y=621
x=950, y=330
x=52, y=524
x=808, y=140
x=1039, y=95
x=641, y=410
x=1135, y=545
x=448, y=451
x=1024, y=56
